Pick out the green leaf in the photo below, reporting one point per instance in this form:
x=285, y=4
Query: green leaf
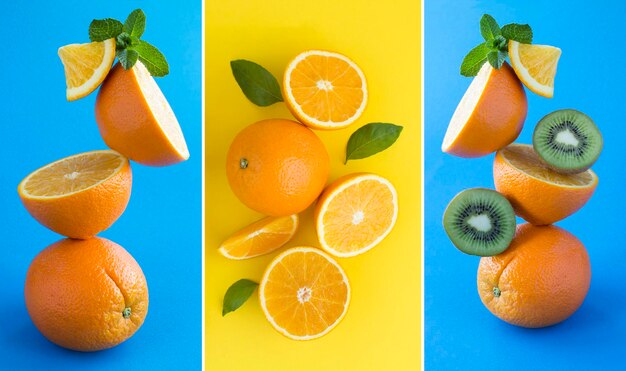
x=152, y=58
x=135, y=23
x=257, y=83
x=519, y=32
x=474, y=60
x=127, y=58
x=500, y=43
x=489, y=27
x=103, y=29
x=371, y=139
x=123, y=41
x=496, y=58
x=237, y=294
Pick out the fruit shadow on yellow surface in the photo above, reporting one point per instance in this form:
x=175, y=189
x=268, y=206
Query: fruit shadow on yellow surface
x=381, y=329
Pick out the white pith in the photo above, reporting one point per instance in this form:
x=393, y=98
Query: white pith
x=466, y=106
x=324, y=83
x=481, y=222
x=320, y=225
x=358, y=217
x=160, y=108
x=264, y=280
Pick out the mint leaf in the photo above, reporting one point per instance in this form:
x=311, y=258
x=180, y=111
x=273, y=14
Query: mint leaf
x=257, y=83
x=103, y=29
x=123, y=41
x=152, y=58
x=489, y=27
x=127, y=58
x=237, y=294
x=135, y=23
x=371, y=139
x=496, y=58
x=518, y=32
x=474, y=60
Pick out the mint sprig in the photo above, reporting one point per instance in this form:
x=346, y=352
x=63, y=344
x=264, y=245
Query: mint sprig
x=129, y=47
x=495, y=48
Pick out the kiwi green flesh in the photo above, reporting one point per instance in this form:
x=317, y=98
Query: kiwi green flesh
x=480, y=222
x=568, y=141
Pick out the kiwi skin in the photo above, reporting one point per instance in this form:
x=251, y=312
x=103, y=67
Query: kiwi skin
x=479, y=199
x=597, y=137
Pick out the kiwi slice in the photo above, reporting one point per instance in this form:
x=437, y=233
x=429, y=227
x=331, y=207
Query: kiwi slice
x=480, y=222
x=568, y=141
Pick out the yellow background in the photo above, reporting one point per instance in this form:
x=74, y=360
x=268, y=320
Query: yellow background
x=381, y=330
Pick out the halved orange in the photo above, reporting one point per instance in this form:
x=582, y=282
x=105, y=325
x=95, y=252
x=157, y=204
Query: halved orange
x=86, y=66
x=304, y=293
x=136, y=120
x=261, y=237
x=535, y=65
x=539, y=194
x=81, y=195
x=490, y=115
x=355, y=213
x=324, y=90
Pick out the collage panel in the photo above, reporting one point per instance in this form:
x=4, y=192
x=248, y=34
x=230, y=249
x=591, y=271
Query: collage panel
x=300, y=97
x=87, y=132
x=537, y=291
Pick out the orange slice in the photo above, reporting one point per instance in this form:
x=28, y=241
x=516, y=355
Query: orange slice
x=86, y=66
x=136, y=120
x=304, y=293
x=539, y=194
x=324, y=90
x=490, y=115
x=259, y=238
x=355, y=213
x=535, y=65
x=81, y=195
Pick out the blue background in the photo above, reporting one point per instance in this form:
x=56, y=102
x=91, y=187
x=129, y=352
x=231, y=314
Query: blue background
x=161, y=227
x=460, y=332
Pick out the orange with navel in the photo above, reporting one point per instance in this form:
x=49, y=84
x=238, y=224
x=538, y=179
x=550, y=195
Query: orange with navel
x=540, y=280
x=86, y=295
x=277, y=167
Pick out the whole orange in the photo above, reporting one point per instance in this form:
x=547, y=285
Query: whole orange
x=277, y=167
x=86, y=295
x=540, y=280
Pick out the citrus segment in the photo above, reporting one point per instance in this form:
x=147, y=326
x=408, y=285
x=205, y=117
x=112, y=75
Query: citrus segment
x=535, y=65
x=539, y=194
x=81, y=195
x=304, y=293
x=86, y=66
x=355, y=213
x=490, y=115
x=540, y=280
x=261, y=237
x=136, y=120
x=324, y=90
x=86, y=295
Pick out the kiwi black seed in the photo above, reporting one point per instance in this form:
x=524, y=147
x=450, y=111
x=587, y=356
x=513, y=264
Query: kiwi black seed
x=568, y=141
x=480, y=222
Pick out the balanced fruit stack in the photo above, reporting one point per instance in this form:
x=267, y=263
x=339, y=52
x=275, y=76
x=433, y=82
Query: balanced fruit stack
x=533, y=274
x=85, y=292
x=280, y=168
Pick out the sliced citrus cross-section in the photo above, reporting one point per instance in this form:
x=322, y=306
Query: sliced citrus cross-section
x=136, y=120
x=259, y=238
x=535, y=65
x=355, y=213
x=86, y=66
x=81, y=195
x=537, y=193
x=304, y=293
x=324, y=90
x=490, y=115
